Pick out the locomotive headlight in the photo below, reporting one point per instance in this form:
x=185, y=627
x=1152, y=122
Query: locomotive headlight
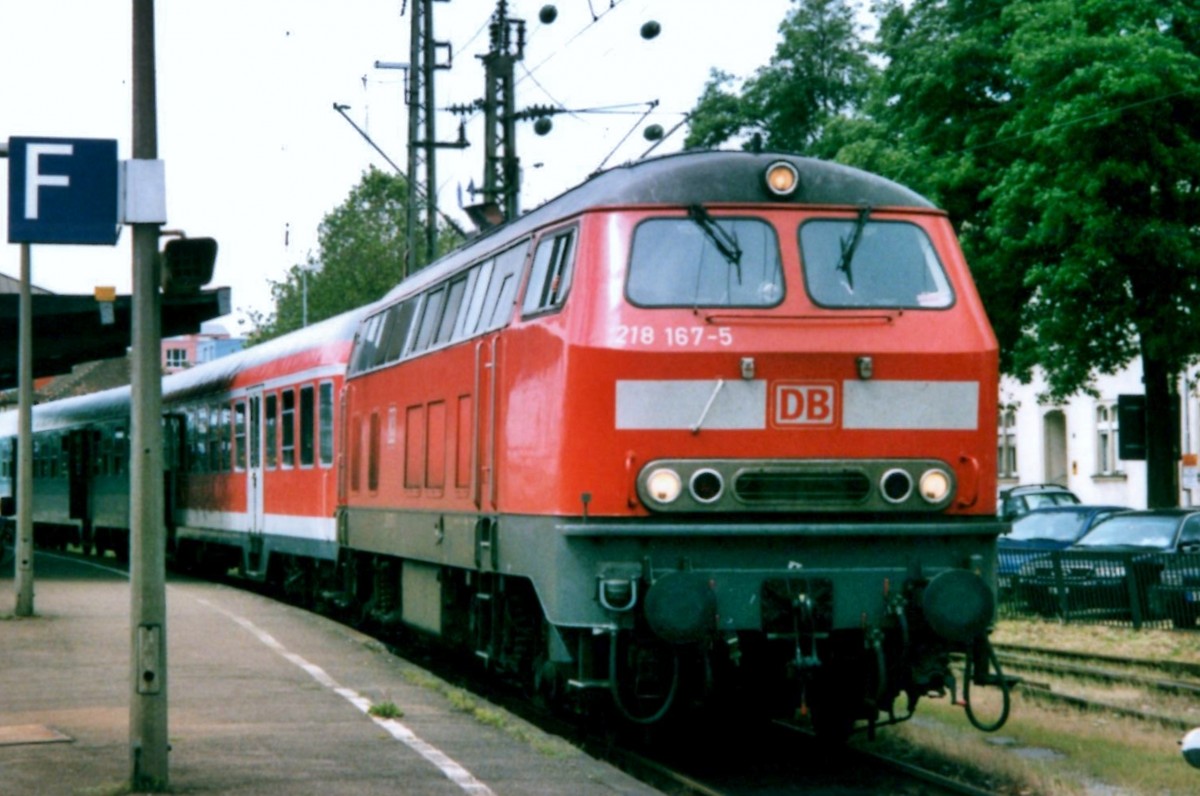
x=706, y=486
x=782, y=178
x=664, y=485
x=935, y=485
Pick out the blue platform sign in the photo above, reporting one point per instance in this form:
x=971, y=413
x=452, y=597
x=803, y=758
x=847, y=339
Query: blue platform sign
x=62, y=190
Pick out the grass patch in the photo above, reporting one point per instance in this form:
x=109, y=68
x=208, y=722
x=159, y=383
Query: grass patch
x=1147, y=643
x=115, y=789
x=464, y=702
x=385, y=710
x=1088, y=748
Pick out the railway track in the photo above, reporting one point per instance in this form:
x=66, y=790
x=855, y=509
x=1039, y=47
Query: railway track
x=1144, y=690
x=781, y=758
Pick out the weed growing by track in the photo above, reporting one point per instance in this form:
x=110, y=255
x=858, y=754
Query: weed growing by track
x=1052, y=750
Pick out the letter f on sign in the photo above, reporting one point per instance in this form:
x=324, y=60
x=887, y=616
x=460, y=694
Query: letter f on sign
x=34, y=179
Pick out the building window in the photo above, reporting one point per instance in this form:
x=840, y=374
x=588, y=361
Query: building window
x=1006, y=449
x=177, y=358
x=1106, y=439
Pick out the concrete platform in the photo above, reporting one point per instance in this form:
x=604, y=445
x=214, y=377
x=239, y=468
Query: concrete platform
x=263, y=699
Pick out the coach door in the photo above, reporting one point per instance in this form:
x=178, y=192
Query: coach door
x=255, y=487
x=82, y=449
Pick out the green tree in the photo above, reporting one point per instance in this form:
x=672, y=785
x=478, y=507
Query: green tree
x=362, y=254
x=1099, y=209
x=820, y=71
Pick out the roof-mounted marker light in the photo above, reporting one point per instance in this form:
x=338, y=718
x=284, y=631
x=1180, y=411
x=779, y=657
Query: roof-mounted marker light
x=782, y=178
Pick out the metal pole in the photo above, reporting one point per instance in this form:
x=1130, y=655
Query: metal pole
x=413, y=96
x=147, y=561
x=427, y=66
x=24, y=547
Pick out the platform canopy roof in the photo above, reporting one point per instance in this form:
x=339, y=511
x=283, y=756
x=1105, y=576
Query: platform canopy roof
x=71, y=329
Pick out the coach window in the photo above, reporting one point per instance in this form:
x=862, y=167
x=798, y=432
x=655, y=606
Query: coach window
x=287, y=419
x=272, y=425
x=854, y=263
x=199, y=415
x=214, y=439
x=239, y=435
x=307, y=423
x=367, y=343
x=226, y=438
x=502, y=289
x=325, y=419
x=120, y=449
x=454, y=299
x=431, y=316
x=550, y=277
x=401, y=329
x=480, y=276
x=705, y=262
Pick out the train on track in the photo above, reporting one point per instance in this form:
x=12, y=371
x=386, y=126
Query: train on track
x=714, y=428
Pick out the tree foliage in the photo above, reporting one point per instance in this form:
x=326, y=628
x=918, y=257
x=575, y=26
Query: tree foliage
x=819, y=71
x=1063, y=138
x=363, y=248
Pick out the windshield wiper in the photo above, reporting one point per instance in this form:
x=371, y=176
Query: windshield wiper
x=725, y=243
x=848, y=246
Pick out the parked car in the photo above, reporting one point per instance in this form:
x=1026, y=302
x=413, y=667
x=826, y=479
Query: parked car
x=1016, y=501
x=1116, y=566
x=1042, y=529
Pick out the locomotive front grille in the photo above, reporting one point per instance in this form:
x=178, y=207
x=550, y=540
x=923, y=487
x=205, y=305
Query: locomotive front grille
x=816, y=485
x=804, y=488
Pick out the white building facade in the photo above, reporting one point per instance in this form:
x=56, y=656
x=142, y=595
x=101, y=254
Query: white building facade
x=1075, y=443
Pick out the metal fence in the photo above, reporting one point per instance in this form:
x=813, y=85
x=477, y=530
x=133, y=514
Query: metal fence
x=1129, y=588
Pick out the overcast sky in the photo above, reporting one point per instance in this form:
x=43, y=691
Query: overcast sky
x=246, y=126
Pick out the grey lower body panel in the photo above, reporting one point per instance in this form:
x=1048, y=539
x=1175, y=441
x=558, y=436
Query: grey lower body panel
x=859, y=563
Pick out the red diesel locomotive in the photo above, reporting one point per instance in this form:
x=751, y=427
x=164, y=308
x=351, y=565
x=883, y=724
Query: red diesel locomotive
x=712, y=428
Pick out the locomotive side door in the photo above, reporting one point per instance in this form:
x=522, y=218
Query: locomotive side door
x=255, y=486
x=491, y=309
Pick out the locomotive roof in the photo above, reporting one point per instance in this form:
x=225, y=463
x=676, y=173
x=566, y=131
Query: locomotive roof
x=685, y=178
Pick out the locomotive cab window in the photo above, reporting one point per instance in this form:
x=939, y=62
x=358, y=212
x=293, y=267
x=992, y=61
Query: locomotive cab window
x=705, y=261
x=550, y=277
x=855, y=263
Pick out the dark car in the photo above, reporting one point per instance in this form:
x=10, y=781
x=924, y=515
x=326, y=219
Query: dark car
x=1049, y=528
x=1016, y=501
x=1116, y=567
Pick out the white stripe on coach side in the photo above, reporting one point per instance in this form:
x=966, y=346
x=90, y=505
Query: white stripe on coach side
x=453, y=771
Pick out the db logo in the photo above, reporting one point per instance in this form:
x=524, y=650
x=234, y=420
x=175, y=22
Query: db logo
x=804, y=405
